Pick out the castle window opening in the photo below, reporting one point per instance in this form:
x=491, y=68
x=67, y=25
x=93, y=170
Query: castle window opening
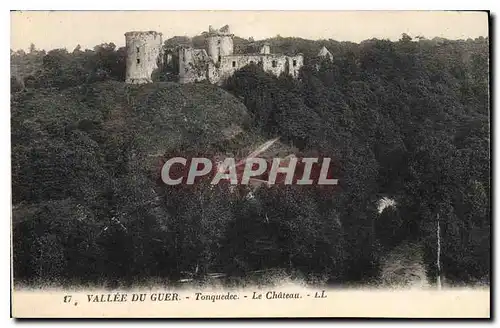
x=234, y=64
x=294, y=63
x=137, y=49
x=274, y=63
x=219, y=59
x=251, y=62
x=218, y=41
x=138, y=61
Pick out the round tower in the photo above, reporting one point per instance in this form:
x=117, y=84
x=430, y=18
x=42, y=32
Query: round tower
x=219, y=43
x=144, y=56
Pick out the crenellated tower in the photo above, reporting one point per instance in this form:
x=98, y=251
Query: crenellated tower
x=219, y=43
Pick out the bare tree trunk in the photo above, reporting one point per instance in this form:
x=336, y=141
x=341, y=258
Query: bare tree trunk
x=438, y=254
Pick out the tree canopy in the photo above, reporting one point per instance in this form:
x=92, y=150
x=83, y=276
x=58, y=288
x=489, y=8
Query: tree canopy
x=408, y=120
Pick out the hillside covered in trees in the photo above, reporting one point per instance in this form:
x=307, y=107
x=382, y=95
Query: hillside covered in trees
x=406, y=120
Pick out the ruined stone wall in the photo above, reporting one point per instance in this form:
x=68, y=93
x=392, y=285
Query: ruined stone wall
x=193, y=65
x=144, y=56
x=168, y=59
x=265, y=50
x=199, y=67
x=294, y=65
x=214, y=73
x=275, y=64
x=219, y=45
x=217, y=63
x=231, y=64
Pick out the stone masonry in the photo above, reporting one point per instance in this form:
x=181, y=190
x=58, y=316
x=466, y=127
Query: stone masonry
x=215, y=63
x=144, y=56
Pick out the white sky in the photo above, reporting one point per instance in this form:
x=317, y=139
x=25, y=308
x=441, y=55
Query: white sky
x=65, y=29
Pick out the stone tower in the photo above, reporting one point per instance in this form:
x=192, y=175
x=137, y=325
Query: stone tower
x=266, y=49
x=144, y=56
x=219, y=43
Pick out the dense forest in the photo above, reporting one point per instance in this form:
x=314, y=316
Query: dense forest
x=405, y=120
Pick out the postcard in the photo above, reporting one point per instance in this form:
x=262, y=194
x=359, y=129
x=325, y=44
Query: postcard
x=250, y=164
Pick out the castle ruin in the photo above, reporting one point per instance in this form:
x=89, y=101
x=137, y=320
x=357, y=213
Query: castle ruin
x=144, y=56
x=215, y=63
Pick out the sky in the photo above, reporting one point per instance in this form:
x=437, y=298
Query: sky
x=66, y=29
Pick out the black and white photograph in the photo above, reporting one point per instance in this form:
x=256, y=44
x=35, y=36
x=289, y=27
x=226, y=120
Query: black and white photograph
x=246, y=160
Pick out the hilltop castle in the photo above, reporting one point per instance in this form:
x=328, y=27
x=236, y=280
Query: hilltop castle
x=145, y=56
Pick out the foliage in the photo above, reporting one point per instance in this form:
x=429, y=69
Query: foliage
x=408, y=120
